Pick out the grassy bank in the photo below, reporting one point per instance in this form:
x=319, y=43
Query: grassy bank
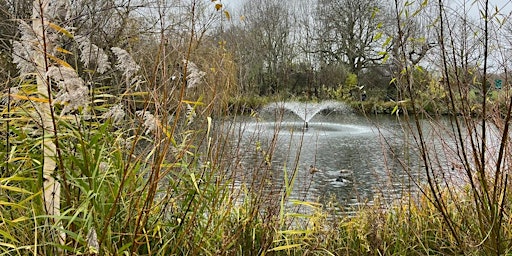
x=111, y=155
x=133, y=188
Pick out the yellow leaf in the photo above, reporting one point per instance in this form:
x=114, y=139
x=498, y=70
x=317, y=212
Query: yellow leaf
x=14, y=159
x=7, y=245
x=59, y=61
x=228, y=16
x=295, y=232
x=60, y=49
x=218, y=6
x=15, y=189
x=22, y=97
x=194, y=181
x=60, y=29
x=284, y=247
x=135, y=94
x=8, y=204
x=192, y=102
x=20, y=219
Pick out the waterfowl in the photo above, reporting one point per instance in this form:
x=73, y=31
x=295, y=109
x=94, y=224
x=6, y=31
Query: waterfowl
x=343, y=180
x=313, y=169
x=344, y=173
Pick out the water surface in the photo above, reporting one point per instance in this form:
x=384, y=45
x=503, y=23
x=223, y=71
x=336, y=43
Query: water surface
x=365, y=148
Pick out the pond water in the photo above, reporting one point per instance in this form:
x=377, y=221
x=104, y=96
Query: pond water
x=354, y=157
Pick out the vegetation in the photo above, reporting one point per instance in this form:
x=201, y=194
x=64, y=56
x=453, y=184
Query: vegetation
x=115, y=138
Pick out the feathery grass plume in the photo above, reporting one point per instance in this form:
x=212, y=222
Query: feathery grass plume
x=125, y=63
x=92, y=241
x=190, y=114
x=150, y=122
x=194, y=75
x=7, y=96
x=57, y=10
x=91, y=53
x=116, y=113
x=73, y=93
x=24, y=49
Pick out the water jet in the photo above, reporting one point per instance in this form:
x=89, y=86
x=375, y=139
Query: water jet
x=307, y=110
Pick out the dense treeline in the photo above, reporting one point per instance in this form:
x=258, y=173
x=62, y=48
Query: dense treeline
x=344, y=49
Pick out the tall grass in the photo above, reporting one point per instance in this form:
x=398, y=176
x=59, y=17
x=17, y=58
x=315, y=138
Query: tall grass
x=146, y=167
x=142, y=165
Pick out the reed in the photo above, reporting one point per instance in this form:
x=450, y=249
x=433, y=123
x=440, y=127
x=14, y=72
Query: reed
x=141, y=167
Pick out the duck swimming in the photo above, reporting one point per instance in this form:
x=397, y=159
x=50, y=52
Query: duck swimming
x=345, y=173
x=313, y=169
x=343, y=180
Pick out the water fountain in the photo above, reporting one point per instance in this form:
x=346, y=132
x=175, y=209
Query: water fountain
x=326, y=135
x=284, y=115
x=307, y=110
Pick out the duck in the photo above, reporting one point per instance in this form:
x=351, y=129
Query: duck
x=313, y=169
x=343, y=180
x=344, y=173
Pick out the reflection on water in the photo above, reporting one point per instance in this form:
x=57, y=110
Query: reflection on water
x=359, y=146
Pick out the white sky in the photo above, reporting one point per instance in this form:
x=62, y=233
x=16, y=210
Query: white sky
x=233, y=5
x=504, y=6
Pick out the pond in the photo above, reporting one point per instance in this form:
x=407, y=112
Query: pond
x=336, y=154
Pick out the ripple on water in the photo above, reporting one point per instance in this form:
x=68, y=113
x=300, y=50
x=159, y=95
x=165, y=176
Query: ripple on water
x=314, y=129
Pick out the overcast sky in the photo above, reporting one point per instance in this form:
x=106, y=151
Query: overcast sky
x=505, y=6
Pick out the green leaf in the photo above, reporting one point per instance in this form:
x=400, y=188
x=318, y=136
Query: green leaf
x=15, y=189
x=377, y=36
x=284, y=247
x=194, y=181
x=388, y=40
x=7, y=236
x=295, y=232
x=395, y=109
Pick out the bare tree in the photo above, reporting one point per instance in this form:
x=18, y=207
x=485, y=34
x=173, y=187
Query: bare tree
x=350, y=32
x=268, y=27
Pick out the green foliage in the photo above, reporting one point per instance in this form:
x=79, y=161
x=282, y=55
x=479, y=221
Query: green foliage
x=351, y=80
